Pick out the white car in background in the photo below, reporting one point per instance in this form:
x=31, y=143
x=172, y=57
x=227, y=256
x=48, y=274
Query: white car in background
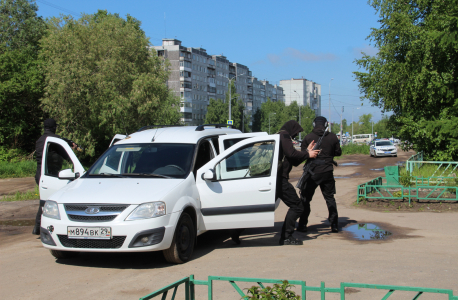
x=383, y=148
x=157, y=190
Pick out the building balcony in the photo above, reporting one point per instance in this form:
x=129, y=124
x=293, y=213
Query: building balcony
x=185, y=79
x=186, y=109
x=211, y=67
x=185, y=69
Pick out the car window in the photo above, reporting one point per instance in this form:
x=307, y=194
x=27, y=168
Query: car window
x=57, y=159
x=384, y=143
x=230, y=142
x=253, y=160
x=204, y=155
x=145, y=160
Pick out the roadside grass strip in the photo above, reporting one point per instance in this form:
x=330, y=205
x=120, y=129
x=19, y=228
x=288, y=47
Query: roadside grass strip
x=22, y=196
x=355, y=149
x=25, y=168
x=284, y=289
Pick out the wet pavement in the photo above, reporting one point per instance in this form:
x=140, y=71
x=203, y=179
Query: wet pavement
x=350, y=164
x=367, y=232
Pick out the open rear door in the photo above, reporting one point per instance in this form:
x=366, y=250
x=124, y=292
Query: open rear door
x=237, y=188
x=57, y=156
x=116, y=138
x=226, y=141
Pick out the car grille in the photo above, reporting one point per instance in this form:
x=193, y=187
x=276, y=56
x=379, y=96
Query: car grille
x=91, y=218
x=109, y=212
x=114, y=243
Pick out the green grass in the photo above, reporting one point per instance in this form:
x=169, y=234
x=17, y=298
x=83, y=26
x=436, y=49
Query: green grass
x=427, y=170
x=25, y=168
x=355, y=149
x=21, y=196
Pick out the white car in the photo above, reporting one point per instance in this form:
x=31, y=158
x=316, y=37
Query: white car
x=157, y=189
x=383, y=148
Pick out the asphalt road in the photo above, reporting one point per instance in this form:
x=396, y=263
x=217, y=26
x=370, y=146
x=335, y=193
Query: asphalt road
x=422, y=251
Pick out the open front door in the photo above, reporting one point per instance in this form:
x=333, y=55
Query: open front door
x=237, y=188
x=57, y=156
x=226, y=141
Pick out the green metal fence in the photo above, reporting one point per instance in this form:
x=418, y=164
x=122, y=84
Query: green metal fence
x=443, y=168
x=190, y=283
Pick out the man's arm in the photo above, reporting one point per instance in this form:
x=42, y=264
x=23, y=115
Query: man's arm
x=304, y=144
x=337, y=148
x=290, y=152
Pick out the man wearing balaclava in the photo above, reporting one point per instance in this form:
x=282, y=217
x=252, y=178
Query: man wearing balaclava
x=285, y=190
x=323, y=169
x=50, y=127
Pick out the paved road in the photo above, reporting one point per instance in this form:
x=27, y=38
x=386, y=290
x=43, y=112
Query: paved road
x=422, y=252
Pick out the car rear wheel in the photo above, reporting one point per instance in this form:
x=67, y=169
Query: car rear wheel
x=63, y=254
x=183, y=241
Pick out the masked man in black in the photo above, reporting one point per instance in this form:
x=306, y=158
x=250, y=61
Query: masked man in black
x=56, y=156
x=323, y=168
x=290, y=157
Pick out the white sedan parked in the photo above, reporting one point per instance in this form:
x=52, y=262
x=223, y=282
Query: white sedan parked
x=382, y=148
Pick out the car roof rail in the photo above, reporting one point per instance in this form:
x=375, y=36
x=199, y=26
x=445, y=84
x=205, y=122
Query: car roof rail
x=202, y=127
x=157, y=126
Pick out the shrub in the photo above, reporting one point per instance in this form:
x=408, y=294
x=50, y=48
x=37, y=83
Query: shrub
x=278, y=291
x=26, y=168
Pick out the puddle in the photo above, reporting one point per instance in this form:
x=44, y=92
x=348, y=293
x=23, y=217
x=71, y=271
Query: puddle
x=346, y=177
x=350, y=164
x=379, y=169
x=367, y=232
x=30, y=222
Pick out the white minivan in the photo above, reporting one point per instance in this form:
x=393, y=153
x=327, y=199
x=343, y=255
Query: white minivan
x=157, y=189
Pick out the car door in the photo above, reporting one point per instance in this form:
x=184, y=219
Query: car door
x=241, y=194
x=116, y=138
x=57, y=156
x=228, y=140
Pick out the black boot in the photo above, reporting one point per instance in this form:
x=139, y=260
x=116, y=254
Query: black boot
x=301, y=228
x=36, y=229
x=334, y=228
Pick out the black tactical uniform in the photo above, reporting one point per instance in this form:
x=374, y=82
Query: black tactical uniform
x=324, y=174
x=56, y=155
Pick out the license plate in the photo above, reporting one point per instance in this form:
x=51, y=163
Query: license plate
x=388, y=152
x=101, y=233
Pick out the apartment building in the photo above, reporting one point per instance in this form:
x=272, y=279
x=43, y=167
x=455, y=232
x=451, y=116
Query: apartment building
x=304, y=92
x=196, y=77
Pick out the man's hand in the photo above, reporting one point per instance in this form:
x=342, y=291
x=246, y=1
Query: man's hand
x=311, y=145
x=313, y=153
x=74, y=146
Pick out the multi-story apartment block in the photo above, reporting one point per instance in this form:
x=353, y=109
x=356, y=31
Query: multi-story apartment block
x=197, y=77
x=304, y=92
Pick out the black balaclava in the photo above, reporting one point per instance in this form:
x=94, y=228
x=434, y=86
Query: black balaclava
x=50, y=125
x=292, y=127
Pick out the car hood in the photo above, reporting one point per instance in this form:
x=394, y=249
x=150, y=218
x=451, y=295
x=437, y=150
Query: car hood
x=116, y=190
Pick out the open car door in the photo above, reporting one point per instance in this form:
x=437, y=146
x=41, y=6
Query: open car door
x=226, y=141
x=237, y=188
x=116, y=138
x=58, y=159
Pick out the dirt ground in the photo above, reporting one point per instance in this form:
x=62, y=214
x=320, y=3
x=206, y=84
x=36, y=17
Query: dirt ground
x=421, y=251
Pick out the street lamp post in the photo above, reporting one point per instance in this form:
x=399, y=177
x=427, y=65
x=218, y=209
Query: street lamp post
x=330, y=104
x=269, y=120
x=230, y=93
x=299, y=113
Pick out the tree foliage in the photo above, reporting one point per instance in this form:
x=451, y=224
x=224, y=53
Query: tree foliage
x=218, y=111
x=103, y=78
x=414, y=74
x=21, y=78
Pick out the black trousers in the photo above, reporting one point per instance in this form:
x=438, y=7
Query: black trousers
x=327, y=185
x=39, y=213
x=287, y=193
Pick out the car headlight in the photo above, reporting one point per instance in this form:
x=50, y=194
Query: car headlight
x=51, y=210
x=147, y=211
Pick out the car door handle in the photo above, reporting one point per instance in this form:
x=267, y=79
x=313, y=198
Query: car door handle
x=44, y=187
x=265, y=189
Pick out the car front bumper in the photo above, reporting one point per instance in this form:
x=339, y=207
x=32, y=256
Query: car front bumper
x=386, y=153
x=125, y=235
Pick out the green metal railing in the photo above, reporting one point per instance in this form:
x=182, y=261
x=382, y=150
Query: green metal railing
x=443, y=168
x=189, y=291
x=434, y=186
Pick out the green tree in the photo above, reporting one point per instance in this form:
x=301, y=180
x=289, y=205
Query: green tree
x=21, y=78
x=414, y=74
x=103, y=78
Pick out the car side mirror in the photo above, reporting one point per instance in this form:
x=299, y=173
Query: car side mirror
x=68, y=174
x=209, y=175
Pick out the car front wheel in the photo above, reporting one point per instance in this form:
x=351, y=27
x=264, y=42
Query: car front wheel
x=183, y=241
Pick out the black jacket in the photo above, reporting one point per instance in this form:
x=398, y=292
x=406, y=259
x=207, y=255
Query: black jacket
x=290, y=156
x=330, y=147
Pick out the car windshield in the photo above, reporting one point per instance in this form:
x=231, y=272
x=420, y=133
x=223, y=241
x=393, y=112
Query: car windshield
x=144, y=160
x=384, y=143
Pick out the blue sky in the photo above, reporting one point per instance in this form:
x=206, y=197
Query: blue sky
x=317, y=40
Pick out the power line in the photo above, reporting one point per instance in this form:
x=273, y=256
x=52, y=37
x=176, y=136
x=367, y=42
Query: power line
x=59, y=8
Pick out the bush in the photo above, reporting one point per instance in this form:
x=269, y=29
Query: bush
x=25, y=168
x=12, y=155
x=278, y=291
x=355, y=149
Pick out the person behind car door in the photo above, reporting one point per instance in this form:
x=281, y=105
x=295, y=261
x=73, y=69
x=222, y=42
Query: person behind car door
x=324, y=173
x=290, y=157
x=56, y=158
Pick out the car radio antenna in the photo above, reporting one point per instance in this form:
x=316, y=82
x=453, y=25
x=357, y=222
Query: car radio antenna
x=154, y=135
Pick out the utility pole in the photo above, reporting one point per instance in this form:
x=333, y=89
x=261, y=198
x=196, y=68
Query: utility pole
x=299, y=113
x=330, y=104
x=341, y=127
